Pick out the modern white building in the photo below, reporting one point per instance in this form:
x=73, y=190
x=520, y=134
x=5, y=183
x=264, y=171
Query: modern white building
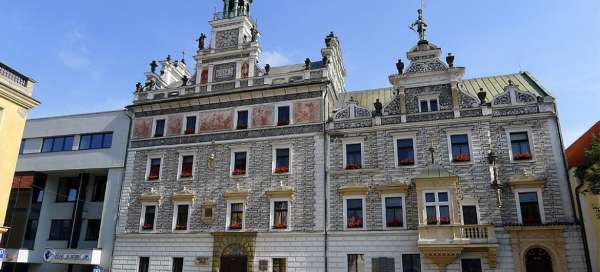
x=64, y=197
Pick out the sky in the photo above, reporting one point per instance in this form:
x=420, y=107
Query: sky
x=86, y=56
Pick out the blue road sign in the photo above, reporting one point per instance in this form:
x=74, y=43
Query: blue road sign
x=2, y=254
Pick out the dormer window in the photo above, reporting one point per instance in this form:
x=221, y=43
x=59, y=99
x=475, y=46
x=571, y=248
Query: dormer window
x=428, y=105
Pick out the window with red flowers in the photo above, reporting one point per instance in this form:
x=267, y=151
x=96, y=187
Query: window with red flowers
x=280, y=215
x=242, y=120
x=187, y=166
x=405, y=152
x=154, y=171
x=354, y=213
x=437, y=208
x=190, y=125
x=519, y=142
x=460, y=148
x=236, y=216
x=394, y=214
x=181, y=219
x=353, y=156
x=239, y=163
x=282, y=160
x=149, y=217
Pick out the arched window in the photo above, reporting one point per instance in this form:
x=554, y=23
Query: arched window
x=538, y=260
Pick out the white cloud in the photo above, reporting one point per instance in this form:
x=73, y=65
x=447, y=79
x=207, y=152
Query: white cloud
x=74, y=52
x=275, y=58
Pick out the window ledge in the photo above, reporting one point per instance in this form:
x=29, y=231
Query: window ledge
x=359, y=171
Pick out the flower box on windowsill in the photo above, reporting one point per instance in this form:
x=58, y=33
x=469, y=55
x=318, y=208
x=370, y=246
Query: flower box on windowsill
x=283, y=123
x=522, y=156
x=282, y=170
x=235, y=226
x=461, y=158
x=241, y=126
x=180, y=227
x=444, y=220
x=238, y=172
x=152, y=177
x=394, y=224
x=353, y=167
x=189, y=131
x=280, y=226
x=432, y=221
x=406, y=162
x=148, y=227
x=355, y=223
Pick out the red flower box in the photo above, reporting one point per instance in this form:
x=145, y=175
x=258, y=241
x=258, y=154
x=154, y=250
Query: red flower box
x=461, y=158
x=282, y=169
x=280, y=226
x=189, y=131
x=235, y=226
x=522, y=156
x=180, y=227
x=185, y=174
x=394, y=223
x=355, y=223
x=148, y=227
x=405, y=162
x=152, y=177
x=239, y=172
x=283, y=122
x=444, y=220
x=353, y=166
x=241, y=126
x=432, y=221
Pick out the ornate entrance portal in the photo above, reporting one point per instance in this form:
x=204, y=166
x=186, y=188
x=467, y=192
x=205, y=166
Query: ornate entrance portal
x=233, y=252
x=538, y=260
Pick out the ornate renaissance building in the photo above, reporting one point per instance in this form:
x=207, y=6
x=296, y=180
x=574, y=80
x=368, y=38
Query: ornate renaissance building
x=234, y=166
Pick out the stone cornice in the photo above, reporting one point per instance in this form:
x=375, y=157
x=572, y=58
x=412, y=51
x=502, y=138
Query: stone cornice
x=236, y=195
x=354, y=189
x=280, y=193
x=149, y=198
x=518, y=182
x=393, y=188
x=183, y=196
x=19, y=98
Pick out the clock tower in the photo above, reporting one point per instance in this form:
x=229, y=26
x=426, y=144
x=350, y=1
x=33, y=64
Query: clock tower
x=231, y=58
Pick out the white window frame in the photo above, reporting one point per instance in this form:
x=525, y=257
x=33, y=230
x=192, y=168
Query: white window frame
x=540, y=202
x=348, y=141
x=154, y=120
x=469, y=203
x=143, y=215
x=235, y=117
x=449, y=135
x=364, y=211
x=405, y=137
x=437, y=205
x=180, y=165
x=428, y=98
x=160, y=169
x=274, y=160
x=232, y=161
x=529, y=139
x=197, y=125
x=384, y=208
x=276, y=112
x=228, y=215
x=289, y=214
x=176, y=205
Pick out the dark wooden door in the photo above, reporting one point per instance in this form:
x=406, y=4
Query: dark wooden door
x=538, y=260
x=234, y=264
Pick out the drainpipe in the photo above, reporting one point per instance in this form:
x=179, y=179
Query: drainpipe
x=325, y=177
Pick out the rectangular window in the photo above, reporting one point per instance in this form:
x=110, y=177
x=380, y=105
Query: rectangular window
x=428, y=105
x=178, y=264
x=433, y=105
x=356, y=263
x=239, y=163
x=22, y=146
x=95, y=141
x=60, y=230
x=519, y=142
x=31, y=231
x=187, y=166
x=353, y=156
x=57, y=144
x=144, y=265
x=406, y=152
x=67, y=190
x=93, y=230
x=154, y=172
x=460, y=148
x=437, y=208
x=149, y=216
x=159, y=129
x=283, y=115
x=282, y=160
x=242, y=120
x=530, y=208
x=280, y=215
x=394, y=217
x=190, y=125
x=411, y=263
x=236, y=216
x=99, y=189
x=424, y=106
x=181, y=221
x=471, y=265
x=354, y=213
x=383, y=265
x=279, y=265
x=469, y=213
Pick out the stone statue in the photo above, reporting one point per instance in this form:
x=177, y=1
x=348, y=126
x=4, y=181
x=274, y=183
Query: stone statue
x=138, y=87
x=149, y=85
x=421, y=26
x=267, y=69
x=307, y=63
x=450, y=60
x=254, y=33
x=481, y=95
x=325, y=60
x=400, y=66
x=201, y=41
x=329, y=38
x=184, y=80
x=153, y=66
x=168, y=58
x=378, y=108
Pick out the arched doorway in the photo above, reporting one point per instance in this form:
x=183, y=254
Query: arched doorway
x=233, y=260
x=538, y=260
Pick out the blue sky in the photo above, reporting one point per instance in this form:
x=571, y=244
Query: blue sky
x=88, y=55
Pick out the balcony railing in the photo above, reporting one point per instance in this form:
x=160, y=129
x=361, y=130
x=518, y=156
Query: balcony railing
x=12, y=75
x=231, y=14
x=457, y=234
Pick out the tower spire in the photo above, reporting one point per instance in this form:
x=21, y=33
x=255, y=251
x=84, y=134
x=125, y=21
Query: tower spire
x=420, y=24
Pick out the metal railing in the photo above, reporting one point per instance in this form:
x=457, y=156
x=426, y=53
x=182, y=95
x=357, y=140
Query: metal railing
x=12, y=75
x=231, y=14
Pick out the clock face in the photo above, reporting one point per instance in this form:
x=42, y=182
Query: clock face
x=227, y=38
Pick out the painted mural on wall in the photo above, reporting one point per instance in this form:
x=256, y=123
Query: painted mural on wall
x=216, y=120
x=262, y=116
x=175, y=124
x=307, y=112
x=245, y=70
x=142, y=128
x=204, y=76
